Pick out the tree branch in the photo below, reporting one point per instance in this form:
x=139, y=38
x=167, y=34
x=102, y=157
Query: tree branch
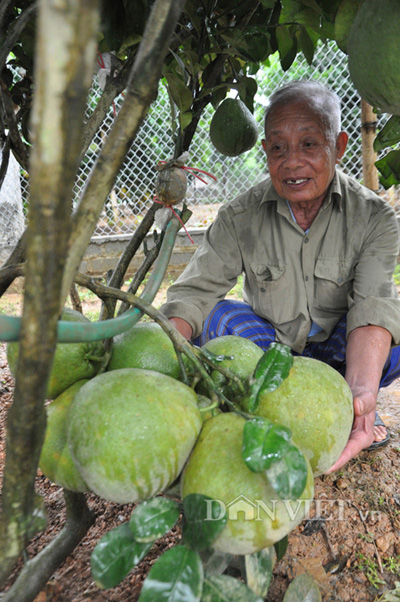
x=36, y=572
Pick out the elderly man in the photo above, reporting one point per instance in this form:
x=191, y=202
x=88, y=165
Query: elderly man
x=317, y=250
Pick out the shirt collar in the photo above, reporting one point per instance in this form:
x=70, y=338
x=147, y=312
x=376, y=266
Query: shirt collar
x=334, y=193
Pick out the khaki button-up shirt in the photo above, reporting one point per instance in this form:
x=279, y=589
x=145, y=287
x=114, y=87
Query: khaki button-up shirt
x=343, y=265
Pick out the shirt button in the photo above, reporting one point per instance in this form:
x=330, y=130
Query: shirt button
x=262, y=289
x=306, y=278
x=306, y=239
x=340, y=280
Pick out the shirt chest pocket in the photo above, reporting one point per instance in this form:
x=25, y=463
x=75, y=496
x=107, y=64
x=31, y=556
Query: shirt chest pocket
x=269, y=286
x=333, y=283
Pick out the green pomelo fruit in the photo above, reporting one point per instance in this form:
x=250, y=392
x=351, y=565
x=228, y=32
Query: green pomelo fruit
x=373, y=48
x=344, y=18
x=146, y=346
x=245, y=355
x=72, y=361
x=316, y=403
x=130, y=432
x=257, y=518
x=55, y=458
x=233, y=128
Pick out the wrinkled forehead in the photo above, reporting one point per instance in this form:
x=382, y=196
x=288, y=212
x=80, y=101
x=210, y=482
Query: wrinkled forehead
x=306, y=114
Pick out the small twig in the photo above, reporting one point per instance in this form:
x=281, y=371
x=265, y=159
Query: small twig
x=328, y=541
x=75, y=299
x=140, y=275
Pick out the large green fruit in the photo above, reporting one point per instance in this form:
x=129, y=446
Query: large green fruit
x=257, y=518
x=316, y=403
x=344, y=18
x=245, y=355
x=233, y=128
x=131, y=431
x=55, y=458
x=146, y=346
x=72, y=361
x=373, y=47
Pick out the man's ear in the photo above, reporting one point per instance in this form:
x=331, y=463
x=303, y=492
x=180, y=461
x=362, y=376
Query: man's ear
x=264, y=144
x=341, y=144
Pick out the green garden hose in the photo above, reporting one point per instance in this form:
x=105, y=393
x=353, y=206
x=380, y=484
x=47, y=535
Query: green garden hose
x=74, y=332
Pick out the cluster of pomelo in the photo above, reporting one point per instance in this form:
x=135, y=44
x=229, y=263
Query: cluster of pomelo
x=130, y=432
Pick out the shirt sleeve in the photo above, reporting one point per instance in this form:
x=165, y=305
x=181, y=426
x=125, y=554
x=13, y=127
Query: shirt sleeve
x=374, y=299
x=212, y=271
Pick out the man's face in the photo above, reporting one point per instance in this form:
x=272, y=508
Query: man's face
x=301, y=159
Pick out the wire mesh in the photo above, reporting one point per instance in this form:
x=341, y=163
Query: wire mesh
x=133, y=189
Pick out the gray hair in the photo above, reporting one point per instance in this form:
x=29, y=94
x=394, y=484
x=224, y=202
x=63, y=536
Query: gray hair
x=320, y=99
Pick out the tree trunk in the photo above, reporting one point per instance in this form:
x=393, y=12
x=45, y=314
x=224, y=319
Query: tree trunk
x=65, y=58
x=369, y=156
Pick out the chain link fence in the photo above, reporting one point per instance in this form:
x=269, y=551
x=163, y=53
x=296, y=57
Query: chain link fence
x=133, y=190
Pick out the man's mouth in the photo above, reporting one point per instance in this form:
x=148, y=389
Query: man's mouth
x=296, y=181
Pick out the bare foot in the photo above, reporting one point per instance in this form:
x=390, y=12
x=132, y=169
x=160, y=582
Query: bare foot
x=380, y=433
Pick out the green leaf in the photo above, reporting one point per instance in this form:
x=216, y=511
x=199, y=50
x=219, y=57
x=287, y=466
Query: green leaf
x=180, y=93
x=287, y=46
x=258, y=47
x=306, y=44
x=264, y=443
x=177, y=576
x=185, y=119
x=389, y=168
x=115, y=555
x=268, y=3
x=312, y=4
x=302, y=589
x=272, y=369
x=214, y=562
x=281, y=547
x=389, y=134
x=153, y=518
x=288, y=476
x=204, y=519
x=258, y=568
x=221, y=588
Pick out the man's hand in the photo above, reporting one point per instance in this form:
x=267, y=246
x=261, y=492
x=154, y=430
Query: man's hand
x=183, y=327
x=362, y=433
x=366, y=353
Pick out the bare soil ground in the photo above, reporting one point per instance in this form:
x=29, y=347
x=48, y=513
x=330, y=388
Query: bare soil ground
x=350, y=542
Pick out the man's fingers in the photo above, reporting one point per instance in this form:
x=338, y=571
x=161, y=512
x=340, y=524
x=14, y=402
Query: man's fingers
x=364, y=404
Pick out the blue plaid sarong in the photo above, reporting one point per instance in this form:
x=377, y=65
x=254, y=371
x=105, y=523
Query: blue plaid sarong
x=237, y=318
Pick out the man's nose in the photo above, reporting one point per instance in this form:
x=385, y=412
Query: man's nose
x=294, y=156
